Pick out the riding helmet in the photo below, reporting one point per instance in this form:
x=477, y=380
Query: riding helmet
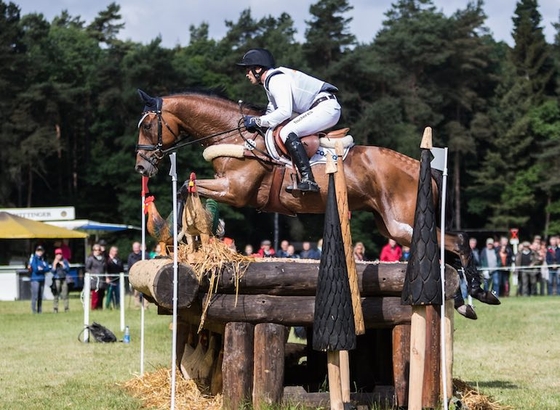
x=258, y=57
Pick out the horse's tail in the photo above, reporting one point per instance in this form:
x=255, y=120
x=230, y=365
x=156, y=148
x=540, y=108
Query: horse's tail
x=437, y=175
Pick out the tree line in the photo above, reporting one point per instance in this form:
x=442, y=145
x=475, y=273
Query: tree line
x=69, y=107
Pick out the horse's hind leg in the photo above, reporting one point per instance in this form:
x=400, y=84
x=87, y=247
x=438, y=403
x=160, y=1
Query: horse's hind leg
x=460, y=245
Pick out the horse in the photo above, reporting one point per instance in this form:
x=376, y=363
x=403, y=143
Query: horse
x=379, y=180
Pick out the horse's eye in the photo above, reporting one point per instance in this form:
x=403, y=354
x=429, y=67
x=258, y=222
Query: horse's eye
x=147, y=126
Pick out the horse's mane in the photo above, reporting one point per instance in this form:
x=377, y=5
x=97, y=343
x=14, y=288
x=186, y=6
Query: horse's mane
x=216, y=92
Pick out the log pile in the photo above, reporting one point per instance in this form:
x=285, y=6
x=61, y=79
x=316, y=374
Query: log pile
x=248, y=315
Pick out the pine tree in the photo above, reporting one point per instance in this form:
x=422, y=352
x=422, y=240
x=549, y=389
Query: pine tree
x=511, y=156
x=327, y=35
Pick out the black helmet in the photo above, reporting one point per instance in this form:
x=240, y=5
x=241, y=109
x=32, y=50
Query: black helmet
x=258, y=57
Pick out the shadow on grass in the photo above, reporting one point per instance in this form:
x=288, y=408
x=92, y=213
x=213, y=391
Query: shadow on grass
x=494, y=384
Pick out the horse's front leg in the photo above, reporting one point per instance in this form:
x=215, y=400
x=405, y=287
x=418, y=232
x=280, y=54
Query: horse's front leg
x=459, y=244
x=217, y=189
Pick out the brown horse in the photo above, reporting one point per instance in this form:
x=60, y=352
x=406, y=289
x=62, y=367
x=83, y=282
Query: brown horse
x=379, y=180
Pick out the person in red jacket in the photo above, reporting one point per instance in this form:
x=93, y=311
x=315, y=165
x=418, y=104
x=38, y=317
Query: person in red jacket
x=391, y=252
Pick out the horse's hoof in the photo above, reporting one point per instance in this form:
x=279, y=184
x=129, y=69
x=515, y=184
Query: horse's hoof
x=487, y=297
x=467, y=311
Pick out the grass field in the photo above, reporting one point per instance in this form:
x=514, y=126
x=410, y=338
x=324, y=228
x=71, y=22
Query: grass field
x=510, y=353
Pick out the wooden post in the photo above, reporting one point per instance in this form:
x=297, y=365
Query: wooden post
x=335, y=383
x=417, y=357
x=237, y=365
x=422, y=285
x=344, y=214
x=431, y=393
x=268, y=378
x=401, y=363
x=449, y=323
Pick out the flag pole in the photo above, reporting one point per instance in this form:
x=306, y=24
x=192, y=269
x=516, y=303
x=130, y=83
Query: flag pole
x=142, y=318
x=173, y=173
x=443, y=151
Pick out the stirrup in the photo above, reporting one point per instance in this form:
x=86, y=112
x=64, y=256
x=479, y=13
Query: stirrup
x=304, y=186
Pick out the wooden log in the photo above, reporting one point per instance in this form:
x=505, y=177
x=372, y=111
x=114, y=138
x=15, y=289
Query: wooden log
x=401, y=363
x=274, y=277
x=154, y=278
x=432, y=365
x=285, y=277
x=298, y=310
x=268, y=377
x=237, y=368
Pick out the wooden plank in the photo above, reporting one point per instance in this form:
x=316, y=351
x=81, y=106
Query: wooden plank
x=237, y=367
x=268, y=378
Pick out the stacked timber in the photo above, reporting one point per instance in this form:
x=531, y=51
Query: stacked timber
x=275, y=290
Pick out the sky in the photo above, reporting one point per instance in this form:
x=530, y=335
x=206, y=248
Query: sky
x=170, y=19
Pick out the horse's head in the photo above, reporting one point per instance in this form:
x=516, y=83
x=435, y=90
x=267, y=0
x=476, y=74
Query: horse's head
x=156, y=134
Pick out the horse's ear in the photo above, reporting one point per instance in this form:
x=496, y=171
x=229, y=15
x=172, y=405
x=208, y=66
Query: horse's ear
x=150, y=103
x=145, y=97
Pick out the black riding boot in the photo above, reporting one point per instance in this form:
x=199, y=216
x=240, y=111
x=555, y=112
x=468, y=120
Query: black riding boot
x=299, y=158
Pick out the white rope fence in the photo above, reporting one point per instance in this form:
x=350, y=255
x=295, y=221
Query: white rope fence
x=521, y=267
x=87, y=299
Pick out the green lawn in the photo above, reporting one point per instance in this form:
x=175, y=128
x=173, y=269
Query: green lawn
x=511, y=353
x=44, y=366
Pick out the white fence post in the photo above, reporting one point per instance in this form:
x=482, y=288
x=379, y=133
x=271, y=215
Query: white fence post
x=121, y=299
x=86, y=290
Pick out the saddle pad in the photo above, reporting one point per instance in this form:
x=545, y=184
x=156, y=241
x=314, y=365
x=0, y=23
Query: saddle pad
x=320, y=157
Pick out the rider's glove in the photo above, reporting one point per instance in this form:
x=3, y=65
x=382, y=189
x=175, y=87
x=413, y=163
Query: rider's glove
x=251, y=123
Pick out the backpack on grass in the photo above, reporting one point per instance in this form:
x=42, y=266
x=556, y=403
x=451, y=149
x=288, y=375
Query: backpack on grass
x=99, y=332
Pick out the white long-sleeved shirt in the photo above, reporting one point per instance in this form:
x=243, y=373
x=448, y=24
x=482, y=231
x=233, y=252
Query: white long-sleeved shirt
x=290, y=91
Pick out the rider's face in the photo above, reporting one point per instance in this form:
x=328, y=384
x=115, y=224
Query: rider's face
x=249, y=74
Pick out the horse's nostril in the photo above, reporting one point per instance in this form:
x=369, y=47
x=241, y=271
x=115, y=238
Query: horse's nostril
x=140, y=169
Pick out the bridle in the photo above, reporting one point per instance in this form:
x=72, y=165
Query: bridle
x=157, y=149
x=181, y=140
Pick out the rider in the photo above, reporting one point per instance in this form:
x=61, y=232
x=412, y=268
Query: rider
x=307, y=101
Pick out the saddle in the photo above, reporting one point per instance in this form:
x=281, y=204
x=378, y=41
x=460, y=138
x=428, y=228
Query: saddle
x=311, y=142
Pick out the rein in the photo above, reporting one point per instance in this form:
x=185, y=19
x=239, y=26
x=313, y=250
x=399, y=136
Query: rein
x=157, y=149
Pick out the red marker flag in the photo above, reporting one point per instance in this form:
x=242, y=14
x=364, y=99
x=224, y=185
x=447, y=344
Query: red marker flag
x=144, y=185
